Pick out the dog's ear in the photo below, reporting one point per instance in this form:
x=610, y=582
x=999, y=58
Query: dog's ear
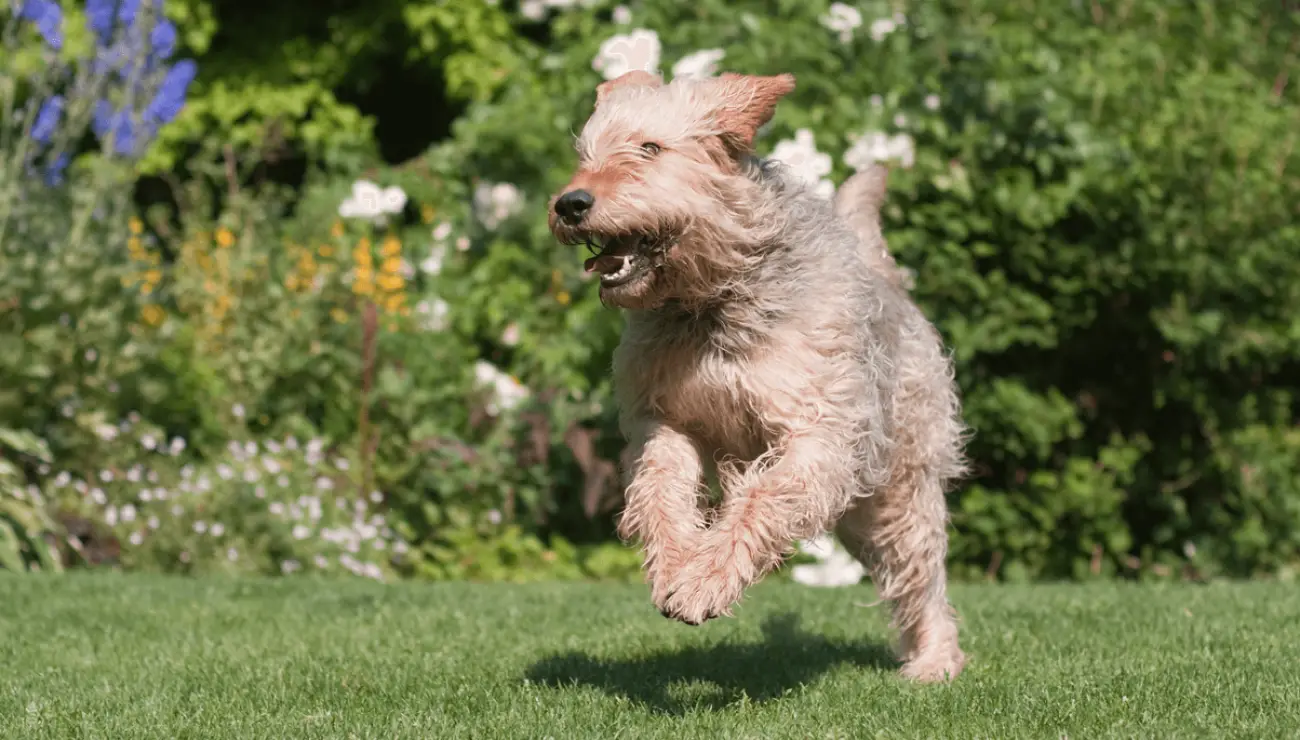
x=746, y=102
x=633, y=78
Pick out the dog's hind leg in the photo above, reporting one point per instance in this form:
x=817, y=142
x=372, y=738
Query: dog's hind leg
x=900, y=531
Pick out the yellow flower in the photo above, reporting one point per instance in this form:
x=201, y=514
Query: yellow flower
x=391, y=283
x=392, y=265
x=427, y=214
x=146, y=289
x=336, y=230
x=339, y=315
x=291, y=282
x=363, y=287
x=326, y=250
x=135, y=225
x=395, y=303
x=225, y=238
x=152, y=314
x=135, y=246
x=153, y=276
x=563, y=297
x=391, y=247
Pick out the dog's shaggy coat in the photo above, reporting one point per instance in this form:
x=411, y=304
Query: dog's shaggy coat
x=770, y=345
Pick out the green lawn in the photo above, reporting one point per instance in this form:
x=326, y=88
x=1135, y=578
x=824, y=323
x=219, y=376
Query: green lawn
x=107, y=656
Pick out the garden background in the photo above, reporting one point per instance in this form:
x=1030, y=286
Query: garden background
x=277, y=295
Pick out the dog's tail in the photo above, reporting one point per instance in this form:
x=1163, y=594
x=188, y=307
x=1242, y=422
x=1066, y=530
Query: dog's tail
x=858, y=202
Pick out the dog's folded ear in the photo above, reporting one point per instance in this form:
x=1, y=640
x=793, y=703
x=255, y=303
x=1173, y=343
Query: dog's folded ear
x=636, y=77
x=746, y=102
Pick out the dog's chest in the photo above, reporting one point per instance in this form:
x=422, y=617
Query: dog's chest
x=699, y=390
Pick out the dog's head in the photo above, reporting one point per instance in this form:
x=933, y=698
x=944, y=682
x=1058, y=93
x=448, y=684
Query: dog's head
x=660, y=192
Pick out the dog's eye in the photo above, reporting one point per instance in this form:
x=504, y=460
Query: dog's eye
x=651, y=148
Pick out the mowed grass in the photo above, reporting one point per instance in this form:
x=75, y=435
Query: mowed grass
x=111, y=656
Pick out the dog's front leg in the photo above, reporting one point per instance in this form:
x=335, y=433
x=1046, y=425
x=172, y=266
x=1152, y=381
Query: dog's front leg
x=793, y=492
x=663, y=496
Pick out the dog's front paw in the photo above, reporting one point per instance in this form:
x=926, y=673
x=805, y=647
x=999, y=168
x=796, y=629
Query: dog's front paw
x=694, y=597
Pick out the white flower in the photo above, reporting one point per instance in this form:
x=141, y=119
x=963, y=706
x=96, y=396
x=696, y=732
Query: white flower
x=510, y=337
x=260, y=492
x=882, y=27
x=533, y=10
x=622, y=15
x=324, y=484
x=932, y=101
x=187, y=472
x=842, y=19
x=282, y=481
x=106, y=476
x=91, y=355
x=146, y=495
x=800, y=155
x=276, y=508
x=433, y=314
x=432, y=265
x=97, y=495
x=250, y=448
x=271, y=464
x=291, y=443
x=494, y=516
x=462, y=243
x=200, y=526
x=301, y=532
x=507, y=392
x=128, y=513
x=370, y=570
x=134, y=474
x=62, y=479
x=368, y=200
x=232, y=554
x=442, y=231
x=496, y=202
x=289, y=566
x=877, y=146
x=376, y=497
x=835, y=567
x=623, y=53
x=900, y=120
x=225, y=471
x=217, y=529
x=700, y=64
x=153, y=522
x=237, y=410
x=137, y=538
x=321, y=562
x=110, y=516
x=176, y=447
x=152, y=476
x=342, y=463
x=148, y=442
x=106, y=432
x=177, y=509
x=400, y=547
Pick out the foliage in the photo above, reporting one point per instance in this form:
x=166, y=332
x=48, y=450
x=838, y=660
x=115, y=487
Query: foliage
x=1098, y=206
x=28, y=537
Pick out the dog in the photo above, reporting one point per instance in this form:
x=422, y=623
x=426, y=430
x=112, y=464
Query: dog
x=770, y=349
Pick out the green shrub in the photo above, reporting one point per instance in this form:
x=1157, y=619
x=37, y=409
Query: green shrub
x=1097, y=203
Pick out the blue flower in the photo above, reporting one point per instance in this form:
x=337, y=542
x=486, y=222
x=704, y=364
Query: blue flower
x=48, y=19
x=114, y=125
x=55, y=169
x=169, y=100
x=47, y=119
x=162, y=40
x=127, y=12
x=99, y=18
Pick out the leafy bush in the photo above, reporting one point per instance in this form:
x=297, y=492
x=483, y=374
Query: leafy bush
x=1098, y=206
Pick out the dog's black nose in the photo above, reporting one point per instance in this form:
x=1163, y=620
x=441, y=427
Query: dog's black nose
x=573, y=205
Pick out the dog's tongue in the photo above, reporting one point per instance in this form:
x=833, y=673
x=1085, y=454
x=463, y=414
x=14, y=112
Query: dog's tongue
x=605, y=264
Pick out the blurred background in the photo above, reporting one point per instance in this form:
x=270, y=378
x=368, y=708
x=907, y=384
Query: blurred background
x=277, y=294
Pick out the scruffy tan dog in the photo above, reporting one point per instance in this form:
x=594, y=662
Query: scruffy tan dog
x=769, y=345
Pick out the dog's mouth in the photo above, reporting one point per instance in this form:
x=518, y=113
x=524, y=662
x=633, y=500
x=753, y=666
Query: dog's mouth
x=620, y=259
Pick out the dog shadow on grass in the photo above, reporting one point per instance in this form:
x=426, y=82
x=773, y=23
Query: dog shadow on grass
x=756, y=672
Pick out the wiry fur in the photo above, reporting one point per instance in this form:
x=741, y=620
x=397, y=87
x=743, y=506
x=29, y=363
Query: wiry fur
x=773, y=346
